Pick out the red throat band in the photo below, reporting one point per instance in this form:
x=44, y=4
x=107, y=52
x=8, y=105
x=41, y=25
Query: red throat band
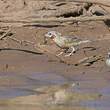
x=52, y=36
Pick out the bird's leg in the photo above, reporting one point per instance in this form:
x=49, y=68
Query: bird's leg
x=63, y=52
x=73, y=50
x=60, y=53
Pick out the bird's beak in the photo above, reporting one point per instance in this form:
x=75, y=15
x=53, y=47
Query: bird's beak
x=46, y=35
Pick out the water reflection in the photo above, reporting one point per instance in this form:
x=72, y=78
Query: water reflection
x=21, y=85
x=16, y=84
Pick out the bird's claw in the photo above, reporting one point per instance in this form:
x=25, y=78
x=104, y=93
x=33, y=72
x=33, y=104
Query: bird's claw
x=68, y=55
x=60, y=53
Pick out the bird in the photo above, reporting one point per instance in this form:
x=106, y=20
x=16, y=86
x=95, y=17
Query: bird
x=68, y=96
x=60, y=93
x=65, y=42
x=108, y=60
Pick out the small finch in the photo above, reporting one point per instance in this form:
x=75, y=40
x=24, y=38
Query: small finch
x=65, y=42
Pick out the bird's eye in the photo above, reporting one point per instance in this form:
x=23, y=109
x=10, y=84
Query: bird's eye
x=49, y=33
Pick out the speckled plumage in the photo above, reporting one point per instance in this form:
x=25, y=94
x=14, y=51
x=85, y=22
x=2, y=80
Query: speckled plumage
x=65, y=42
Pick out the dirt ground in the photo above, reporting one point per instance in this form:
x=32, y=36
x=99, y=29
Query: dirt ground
x=23, y=54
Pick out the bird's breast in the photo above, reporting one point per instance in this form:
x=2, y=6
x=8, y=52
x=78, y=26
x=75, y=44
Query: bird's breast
x=60, y=43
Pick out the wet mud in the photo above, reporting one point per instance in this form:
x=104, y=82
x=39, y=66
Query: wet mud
x=33, y=77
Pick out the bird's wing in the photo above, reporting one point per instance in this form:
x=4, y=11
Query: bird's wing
x=69, y=39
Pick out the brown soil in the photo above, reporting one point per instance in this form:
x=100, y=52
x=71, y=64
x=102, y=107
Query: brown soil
x=27, y=58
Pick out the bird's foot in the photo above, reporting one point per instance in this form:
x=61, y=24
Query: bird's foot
x=68, y=55
x=60, y=53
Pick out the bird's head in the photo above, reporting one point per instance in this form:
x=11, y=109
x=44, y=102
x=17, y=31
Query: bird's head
x=51, y=34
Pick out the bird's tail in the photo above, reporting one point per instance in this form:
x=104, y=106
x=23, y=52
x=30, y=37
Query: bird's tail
x=84, y=41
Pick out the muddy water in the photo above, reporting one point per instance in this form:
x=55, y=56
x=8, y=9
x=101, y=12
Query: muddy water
x=13, y=85
x=98, y=82
x=22, y=73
